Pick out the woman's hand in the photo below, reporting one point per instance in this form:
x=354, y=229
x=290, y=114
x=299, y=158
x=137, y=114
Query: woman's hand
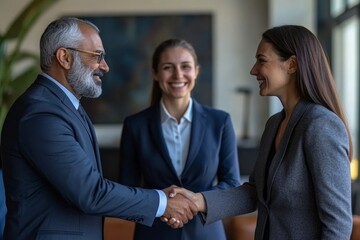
x=197, y=198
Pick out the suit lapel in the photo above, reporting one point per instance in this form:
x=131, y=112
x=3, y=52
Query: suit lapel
x=86, y=122
x=265, y=150
x=91, y=131
x=198, y=127
x=158, y=137
x=298, y=112
x=68, y=104
x=65, y=100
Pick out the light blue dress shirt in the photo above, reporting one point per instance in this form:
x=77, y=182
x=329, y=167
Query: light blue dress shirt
x=177, y=136
x=76, y=103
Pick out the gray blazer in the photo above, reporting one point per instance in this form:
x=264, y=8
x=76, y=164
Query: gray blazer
x=308, y=183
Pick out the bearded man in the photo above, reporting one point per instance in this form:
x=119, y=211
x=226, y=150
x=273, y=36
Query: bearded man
x=54, y=184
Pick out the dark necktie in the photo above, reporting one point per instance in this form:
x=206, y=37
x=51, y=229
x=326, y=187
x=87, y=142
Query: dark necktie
x=85, y=119
x=82, y=113
x=88, y=124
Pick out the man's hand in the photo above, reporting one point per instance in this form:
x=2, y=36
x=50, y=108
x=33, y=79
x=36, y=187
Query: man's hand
x=179, y=210
x=197, y=198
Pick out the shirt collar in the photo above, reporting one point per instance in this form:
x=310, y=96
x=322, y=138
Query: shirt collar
x=165, y=115
x=69, y=94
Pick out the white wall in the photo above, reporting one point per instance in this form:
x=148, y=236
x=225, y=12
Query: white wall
x=290, y=12
x=238, y=25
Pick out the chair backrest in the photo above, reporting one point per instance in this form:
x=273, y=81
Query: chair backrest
x=240, y=227
x=115, y=228
x=355, y=235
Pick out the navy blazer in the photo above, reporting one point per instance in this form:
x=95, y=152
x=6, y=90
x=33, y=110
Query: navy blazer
x=52, y=172
x=2, y=204
x=212, y=163
x=308, y=183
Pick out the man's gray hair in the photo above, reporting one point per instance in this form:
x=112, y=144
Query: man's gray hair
x=63, y=32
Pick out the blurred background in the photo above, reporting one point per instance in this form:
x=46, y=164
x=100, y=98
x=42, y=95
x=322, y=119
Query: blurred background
x=225, y=34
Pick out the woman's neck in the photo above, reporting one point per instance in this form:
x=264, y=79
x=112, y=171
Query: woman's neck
x=176, y=107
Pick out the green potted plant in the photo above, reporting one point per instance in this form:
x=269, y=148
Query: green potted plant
x=14, y=79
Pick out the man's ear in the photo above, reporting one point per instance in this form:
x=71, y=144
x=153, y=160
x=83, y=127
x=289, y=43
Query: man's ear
x=64, y=58
x=292, y=64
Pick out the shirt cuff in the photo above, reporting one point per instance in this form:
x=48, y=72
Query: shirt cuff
x=162, y=203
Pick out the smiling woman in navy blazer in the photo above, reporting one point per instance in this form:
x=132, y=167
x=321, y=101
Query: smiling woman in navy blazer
x=178, y=141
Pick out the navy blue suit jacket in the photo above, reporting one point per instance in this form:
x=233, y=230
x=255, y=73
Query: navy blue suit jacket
x=52, y=172
x=212, y=163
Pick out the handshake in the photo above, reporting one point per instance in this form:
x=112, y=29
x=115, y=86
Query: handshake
x=182, y=206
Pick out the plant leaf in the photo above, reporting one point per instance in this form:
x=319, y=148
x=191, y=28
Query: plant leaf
x=19, y=84
x=25, y=20
x=25, y=55
x=2, y=61
x=12, y=86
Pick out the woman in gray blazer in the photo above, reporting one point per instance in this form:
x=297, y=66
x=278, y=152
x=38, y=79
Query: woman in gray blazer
x=301, y=183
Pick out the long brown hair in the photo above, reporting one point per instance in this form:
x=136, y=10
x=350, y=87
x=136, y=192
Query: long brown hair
x=314, y=78
x=170, y=43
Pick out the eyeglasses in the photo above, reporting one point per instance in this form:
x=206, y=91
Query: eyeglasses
x=101, y=55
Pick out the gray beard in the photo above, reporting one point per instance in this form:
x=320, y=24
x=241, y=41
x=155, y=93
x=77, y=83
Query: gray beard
x=81, y=79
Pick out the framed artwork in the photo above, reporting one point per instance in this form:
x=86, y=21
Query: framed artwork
x=129, y=42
